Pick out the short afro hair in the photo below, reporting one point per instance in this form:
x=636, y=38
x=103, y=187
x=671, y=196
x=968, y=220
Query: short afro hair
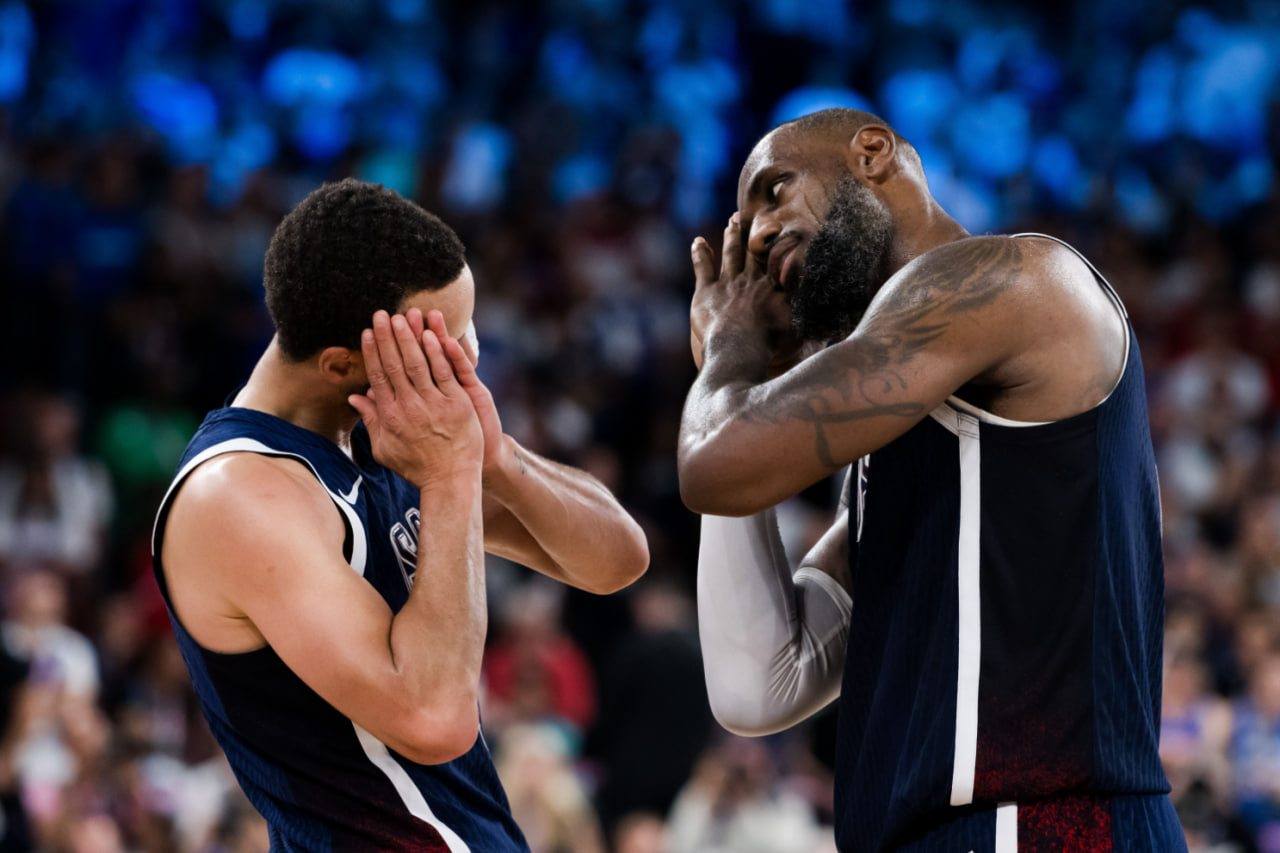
x=346, y=251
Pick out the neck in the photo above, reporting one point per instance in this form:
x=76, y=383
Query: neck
x=293, y=391
x=920, y=228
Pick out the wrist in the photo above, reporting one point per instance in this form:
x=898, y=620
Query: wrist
x=743, y=352
x=463, y=474
x=503, y=468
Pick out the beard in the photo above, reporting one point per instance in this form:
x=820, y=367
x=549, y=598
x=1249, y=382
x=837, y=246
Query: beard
x=843, y=267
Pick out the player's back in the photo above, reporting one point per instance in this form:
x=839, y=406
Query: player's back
x=322, y=782
x=1002, y=685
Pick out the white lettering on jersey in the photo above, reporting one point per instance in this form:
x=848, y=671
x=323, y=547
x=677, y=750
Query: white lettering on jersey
x=404, y=541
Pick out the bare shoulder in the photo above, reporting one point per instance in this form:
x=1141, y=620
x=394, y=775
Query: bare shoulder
x=957, y=277
x=1054, y=340
x=239, y=503
x=237, y=523
x=946, y=302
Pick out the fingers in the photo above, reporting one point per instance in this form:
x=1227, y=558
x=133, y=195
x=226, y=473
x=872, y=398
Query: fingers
x=415, y=363
x=416, y=323
x=372, y=359
x=461, y=361
x=368, y=411
x=756, y=269
x=733, y=254
x=441, y=369
x=389, y=355
x=435, y=322
x=463, y=368
x=704, y=262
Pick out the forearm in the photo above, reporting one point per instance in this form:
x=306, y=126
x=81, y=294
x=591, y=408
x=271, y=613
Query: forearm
x=437, y=638
x=565, y=522
x=719, y=469
x=773, y=645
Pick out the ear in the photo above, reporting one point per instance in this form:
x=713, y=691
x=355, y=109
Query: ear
x=873, y=153
x=340, y=366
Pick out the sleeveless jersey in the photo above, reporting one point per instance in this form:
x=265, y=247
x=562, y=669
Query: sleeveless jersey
x=1002, y=685
x=322, y=782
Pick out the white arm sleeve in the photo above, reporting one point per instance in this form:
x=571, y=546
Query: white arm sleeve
x=773, y=645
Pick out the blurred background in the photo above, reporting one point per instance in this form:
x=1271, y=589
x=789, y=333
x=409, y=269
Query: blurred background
x=149, y=147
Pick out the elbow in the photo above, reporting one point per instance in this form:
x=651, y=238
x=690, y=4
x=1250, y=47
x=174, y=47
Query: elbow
x=622, y=564
x=720, y=487
x=633, y=559
x=628, y=564
x=744, y=720
x=438, y=736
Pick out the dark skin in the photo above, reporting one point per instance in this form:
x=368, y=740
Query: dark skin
x=1018, y=327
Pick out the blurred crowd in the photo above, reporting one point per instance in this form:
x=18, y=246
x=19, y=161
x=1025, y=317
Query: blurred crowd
x=148, y=148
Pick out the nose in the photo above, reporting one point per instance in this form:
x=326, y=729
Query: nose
x=764, y=230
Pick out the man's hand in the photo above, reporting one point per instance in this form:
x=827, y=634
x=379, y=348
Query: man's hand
x=464, y=361
x=742, y=297
x=422, y=423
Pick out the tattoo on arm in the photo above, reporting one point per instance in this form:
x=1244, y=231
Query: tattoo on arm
x=851, y=381
x=524, y=466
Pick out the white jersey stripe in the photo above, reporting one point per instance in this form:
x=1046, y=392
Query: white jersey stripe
x=970, y=616
x=359, y=539
x=1007, y=828
x=377, y=753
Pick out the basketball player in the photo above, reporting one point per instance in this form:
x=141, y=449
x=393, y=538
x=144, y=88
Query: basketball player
x=988, y=606
x=321, y=547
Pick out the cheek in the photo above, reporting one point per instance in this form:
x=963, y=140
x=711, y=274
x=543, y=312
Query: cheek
x=811, y=210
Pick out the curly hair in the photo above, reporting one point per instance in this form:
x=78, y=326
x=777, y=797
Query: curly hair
x=347, y=250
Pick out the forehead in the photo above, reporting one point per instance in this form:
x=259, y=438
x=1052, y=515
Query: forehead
x=456, y=301
x=761, y=159
x=783, y=149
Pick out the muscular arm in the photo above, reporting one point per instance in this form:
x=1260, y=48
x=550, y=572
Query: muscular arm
x=550, y=517
x=259, y=541
x=747, y=443
x=562, y=522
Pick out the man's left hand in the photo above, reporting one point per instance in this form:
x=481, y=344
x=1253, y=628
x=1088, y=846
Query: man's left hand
x=464, y=367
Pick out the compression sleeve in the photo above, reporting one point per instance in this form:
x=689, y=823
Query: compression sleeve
x=773, y=644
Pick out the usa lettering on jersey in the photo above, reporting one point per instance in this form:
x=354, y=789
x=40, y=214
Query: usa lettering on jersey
x=404, y=541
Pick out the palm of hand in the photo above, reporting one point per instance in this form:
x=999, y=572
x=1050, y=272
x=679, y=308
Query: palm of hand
x=740, y=295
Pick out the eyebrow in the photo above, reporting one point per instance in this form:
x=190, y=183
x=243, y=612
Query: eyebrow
x=759, y=178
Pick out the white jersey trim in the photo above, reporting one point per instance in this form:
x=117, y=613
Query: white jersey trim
x=969, y=602
x=378, y=754
x=1007, y=828
x=359, y=539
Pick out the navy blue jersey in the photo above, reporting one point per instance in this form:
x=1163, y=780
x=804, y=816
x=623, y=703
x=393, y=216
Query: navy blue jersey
x=322, y=782
x=1002, y=685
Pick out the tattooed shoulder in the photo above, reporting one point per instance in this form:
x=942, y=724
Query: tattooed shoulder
x=863, y=377
x=953, y=279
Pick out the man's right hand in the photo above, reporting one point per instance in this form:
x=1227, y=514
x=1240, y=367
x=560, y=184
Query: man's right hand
x=739, y=295
x=421, y=421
